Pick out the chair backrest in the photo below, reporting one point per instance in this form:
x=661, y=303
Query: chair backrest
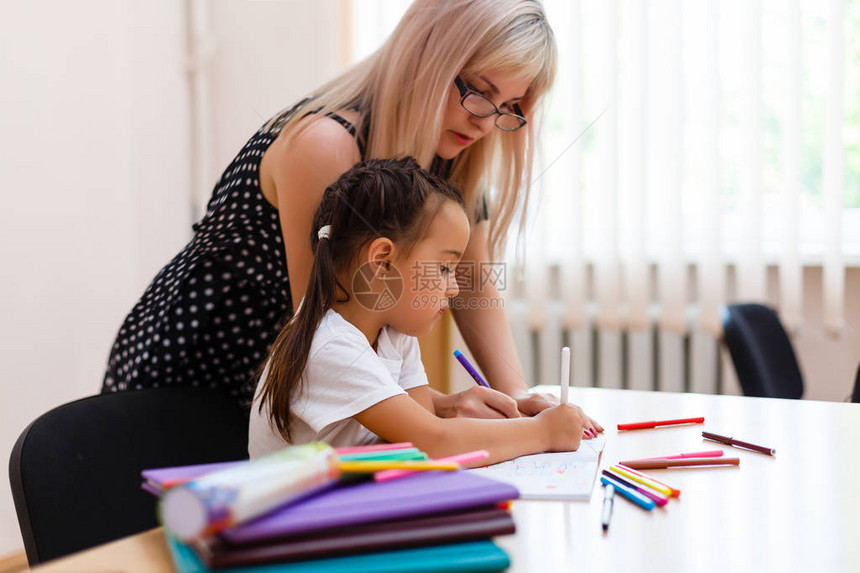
x=855, y=395
x=761, y=351
x=75, y=471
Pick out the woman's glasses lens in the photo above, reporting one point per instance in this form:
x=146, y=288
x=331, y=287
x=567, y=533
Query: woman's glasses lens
x=509, y=122
x=480, y=106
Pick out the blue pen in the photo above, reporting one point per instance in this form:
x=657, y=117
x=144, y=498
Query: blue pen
x=470, y=369
x=632, y=495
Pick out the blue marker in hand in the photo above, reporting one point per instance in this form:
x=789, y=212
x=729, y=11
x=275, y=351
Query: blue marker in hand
x=470, y=369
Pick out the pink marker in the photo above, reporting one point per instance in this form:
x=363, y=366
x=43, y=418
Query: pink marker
x=373, y=448
x=708, y=454
x=461, y=459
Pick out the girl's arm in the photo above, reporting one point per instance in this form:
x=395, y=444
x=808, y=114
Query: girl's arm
x=294, y=178
x=423, y=395
x=402, y=419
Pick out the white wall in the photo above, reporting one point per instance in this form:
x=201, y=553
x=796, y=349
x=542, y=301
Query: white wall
x=95, y=166
x=268, y=56
x=94, y=171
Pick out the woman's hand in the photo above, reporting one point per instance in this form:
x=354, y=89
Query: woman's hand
x=476, y=402
x=532, y=404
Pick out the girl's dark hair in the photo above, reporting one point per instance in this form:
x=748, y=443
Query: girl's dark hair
x=392, y=198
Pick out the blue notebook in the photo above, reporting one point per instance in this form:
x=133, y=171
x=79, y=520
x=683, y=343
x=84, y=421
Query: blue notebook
x=454, y=558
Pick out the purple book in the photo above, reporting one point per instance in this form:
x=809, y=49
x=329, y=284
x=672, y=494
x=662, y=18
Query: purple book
x=159, y=478
x=469, y=525
x=425, y=494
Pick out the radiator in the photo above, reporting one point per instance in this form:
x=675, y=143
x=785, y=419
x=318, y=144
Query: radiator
x=653, y=359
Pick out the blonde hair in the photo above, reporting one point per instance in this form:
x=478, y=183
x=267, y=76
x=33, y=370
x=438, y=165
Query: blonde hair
x=401, y=90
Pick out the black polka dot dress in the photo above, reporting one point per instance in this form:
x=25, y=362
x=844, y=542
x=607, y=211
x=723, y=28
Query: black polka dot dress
x=209, y=317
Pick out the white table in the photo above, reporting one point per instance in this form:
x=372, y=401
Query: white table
x=797, y=511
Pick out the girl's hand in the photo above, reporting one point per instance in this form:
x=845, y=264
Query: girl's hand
x=590, y=428
x=562, y=427
x=477, y=402
x=531, y=404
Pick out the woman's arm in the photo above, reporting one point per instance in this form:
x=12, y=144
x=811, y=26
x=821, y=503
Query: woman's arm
x=402, y=419
x=294, y=178
x=488, y=335
x=484, y=326
x=486, y=330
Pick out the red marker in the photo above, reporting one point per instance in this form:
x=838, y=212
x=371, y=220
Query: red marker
x=643, y=425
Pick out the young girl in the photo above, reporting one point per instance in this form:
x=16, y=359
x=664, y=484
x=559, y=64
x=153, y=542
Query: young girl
x=346, y=369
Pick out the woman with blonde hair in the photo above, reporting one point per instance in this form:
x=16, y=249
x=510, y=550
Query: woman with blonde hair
x=456, y=86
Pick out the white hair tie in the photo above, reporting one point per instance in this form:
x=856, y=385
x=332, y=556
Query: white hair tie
x=324, y=232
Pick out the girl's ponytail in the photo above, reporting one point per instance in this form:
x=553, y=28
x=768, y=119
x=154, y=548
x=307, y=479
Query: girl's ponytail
x=289, y=353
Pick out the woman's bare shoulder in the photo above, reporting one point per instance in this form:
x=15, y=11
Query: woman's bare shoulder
x=318, y=136
x=321, y=143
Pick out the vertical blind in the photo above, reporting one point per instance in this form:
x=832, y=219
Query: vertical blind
x=696, y=159
x=684, y=134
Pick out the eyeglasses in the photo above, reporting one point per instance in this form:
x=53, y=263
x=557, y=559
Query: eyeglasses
x=480, y=106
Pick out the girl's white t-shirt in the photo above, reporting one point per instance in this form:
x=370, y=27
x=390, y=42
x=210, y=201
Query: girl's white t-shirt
x=343, y=376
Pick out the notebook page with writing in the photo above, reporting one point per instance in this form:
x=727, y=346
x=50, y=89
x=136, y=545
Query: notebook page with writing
x=559, y=476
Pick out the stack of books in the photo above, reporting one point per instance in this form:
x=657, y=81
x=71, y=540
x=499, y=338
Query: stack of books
x=426, y=521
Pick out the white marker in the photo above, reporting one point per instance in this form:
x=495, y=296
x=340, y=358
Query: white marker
x=565, y=373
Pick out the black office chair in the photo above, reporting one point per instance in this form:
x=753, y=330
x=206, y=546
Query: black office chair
x=75, y=471
x=761, y=352
x=855, y=395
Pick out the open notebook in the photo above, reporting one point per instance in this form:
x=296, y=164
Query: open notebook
x=562, y=475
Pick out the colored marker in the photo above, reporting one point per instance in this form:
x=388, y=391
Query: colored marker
x=414, y=465
x=388, y=455
x=239, y=493
x=708, y=454
x=461, y=459
x=661, y=464
x=737, y=443
x=608, y=501
x=647, y=480
x=565, y=374
x=658, y=497
x=470, y=369
x=630, y=494
x=654, y=424
x=373, y=448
